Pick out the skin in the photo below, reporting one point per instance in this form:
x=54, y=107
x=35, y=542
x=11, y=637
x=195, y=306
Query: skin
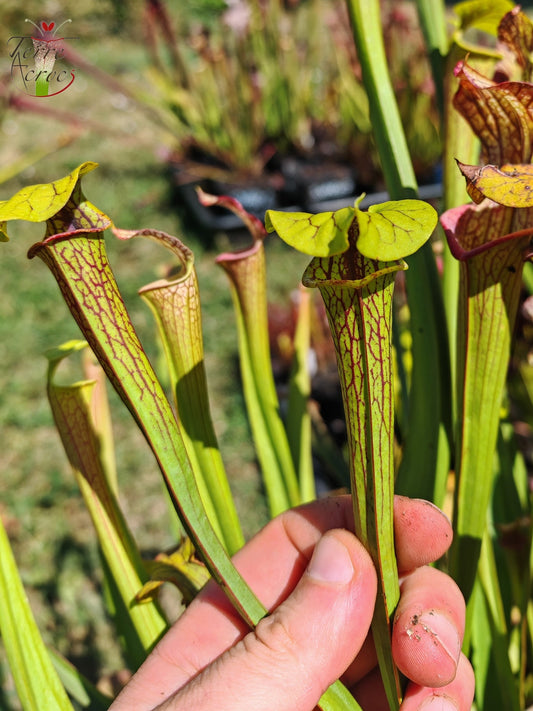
x=319, y=583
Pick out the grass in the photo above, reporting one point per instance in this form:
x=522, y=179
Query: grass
x=49, y=529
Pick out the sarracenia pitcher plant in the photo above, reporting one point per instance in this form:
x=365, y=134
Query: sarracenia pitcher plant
x=74, y=250
x=492, y=241
x=356, y=255
x=448, y=446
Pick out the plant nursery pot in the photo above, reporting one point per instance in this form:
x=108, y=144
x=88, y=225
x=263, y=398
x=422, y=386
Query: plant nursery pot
x=291, y=184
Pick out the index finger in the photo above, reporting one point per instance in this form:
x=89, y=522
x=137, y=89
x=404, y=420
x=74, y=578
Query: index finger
x=272, y=563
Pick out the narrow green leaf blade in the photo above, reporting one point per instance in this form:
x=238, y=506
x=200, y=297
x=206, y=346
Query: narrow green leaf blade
x=338, y=698
x=72, y=409
x=298, y=416
x=175, y=304
x=246, y=271
x=36, y=680
x=490, y=239
x=80, y=689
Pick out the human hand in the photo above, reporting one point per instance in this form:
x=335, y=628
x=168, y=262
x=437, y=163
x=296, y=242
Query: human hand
x=320, y=586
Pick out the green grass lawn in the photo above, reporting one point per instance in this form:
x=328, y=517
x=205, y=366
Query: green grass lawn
x=39, y=503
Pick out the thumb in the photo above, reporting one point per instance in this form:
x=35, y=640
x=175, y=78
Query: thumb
x=295, y=653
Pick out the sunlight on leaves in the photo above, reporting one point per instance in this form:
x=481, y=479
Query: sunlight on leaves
x=38, y=203
x=388, y=231
x=321, y=235
x=510, y=185
x=393, y=230
x=482, y=15
x=516, y=31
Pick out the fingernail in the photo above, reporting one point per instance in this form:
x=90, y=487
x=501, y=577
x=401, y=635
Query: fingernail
x=331, y=562
x=443, y=632
x=438, y=703
x=431, y=505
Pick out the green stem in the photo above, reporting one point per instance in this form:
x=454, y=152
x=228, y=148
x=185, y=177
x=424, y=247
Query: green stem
x=247, y=274
x=365, y=16
x=488, y=301
x=432, y=18
x=71, y=407
x=357, y=293
x=430, y=372
x=101, y=315
x=175, y=304
x=298, y=417
x=459, y=141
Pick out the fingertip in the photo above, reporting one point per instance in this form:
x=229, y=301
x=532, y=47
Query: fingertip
x=338, y=557
x=331, y=562
x=422, y=532
x=456, y=696
x=428, y=627
x=427, y=648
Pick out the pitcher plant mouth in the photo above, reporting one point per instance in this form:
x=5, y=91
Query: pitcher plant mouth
x=238, y=255
x=355, y=257
x=462, y=250
x=78, y=260
x=491, y=239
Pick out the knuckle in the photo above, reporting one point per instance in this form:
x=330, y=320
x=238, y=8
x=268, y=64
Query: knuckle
x=272, y=639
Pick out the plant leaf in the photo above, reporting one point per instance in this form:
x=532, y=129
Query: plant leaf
x=357, y=294
x=388, y=231
x=396, y=229
x=489, y=240
x=501, y=115
x=73, y=410
x=246, y=271
x=175, y=303
x=482, y=15
x=321, y=235
x=36, y=680
x=430, y=372
x=516, y=31
x=79, y=688
x=84, y=275
x=510, y=185
x=38, y=203
x=298, y=420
